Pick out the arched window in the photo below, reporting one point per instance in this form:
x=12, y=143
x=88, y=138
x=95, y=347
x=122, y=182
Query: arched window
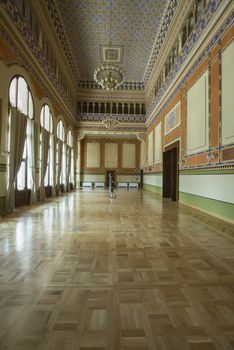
x=69, y=139
x=46, y=118
x=70, y=158
x=60, y=131
x=46, y=121
x=20, y=97
x=61, y=154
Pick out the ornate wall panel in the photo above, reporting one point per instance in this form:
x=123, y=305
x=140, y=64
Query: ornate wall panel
x=197, y=116
x=143, y=154
x=172, y=119
x=129, y=155
x=227, y=95
x=150, y=149
x=158, y=143
x=111, y=155
x=93, y=155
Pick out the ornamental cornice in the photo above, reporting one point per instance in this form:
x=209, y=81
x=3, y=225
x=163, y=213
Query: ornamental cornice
x=120, y=129
x=61, y=34
x=186, y=58
x=48, y=26
x=112, y=97
x=122, y=118
x=173, y=32
x=128, y=85
x=165, y=25
x=14, y=32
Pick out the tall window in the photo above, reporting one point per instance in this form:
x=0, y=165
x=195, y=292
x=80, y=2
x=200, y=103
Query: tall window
x=20, y=97
x=61, y=137
x=71, y=170
x=69, y=139
x=60, y=131
x=47, y=123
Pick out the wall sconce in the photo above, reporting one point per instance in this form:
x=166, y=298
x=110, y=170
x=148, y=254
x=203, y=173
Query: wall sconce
x=212, y=155
x=181, y=162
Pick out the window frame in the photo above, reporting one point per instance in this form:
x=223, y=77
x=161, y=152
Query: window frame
x=27, y=115
x=48, y=180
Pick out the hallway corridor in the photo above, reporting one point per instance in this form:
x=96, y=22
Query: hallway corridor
x=85, y=272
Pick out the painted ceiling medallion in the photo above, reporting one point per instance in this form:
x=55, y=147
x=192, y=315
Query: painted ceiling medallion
x=109, y=76
x=110, y=122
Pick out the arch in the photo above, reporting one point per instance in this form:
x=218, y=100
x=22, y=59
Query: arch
x=69, y=138
x=45, y=100
x=17, y=70
x=20, y=96
x=60, y=130
x=46, y=118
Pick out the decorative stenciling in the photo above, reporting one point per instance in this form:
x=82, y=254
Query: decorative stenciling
x=160, y=37
x=228, y=154
x=122, y=129
x=181, y=59
x=172, y=119
x=51, y=5
x=111, y=54
x=135, y=23
x=126, y=85
x=93, y=117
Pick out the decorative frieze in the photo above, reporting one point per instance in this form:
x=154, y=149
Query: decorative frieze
x=36, y=51
x=95, y=117
x=182, y=58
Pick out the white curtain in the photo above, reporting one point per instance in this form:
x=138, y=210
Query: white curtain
x=33, y=157
x=60, y=159
x=18, y=127
x=54, y=143
x=44, y=158
x=68, y=169
x=75, y=156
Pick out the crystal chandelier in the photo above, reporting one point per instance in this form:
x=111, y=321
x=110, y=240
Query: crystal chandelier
x=109, y=76
x=110, y=122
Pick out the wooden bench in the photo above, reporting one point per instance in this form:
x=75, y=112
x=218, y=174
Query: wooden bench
x=99, y=184
x=122, y=185
x=87, y=184
x=133, y=185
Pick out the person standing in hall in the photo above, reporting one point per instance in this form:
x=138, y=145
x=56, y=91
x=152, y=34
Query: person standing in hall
x=111, y=187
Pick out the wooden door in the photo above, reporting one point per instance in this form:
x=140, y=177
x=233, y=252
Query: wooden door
x=141, y=179
x=170, y=172
x=167, y=174
x=174, y=171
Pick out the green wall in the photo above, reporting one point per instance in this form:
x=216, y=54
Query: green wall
x=218, y=208
x=222, y=209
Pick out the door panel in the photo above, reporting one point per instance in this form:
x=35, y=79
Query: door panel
x=174, y=174
x=170, y=172
x=167, y=174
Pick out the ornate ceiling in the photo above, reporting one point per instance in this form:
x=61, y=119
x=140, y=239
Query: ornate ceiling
x=133, y=24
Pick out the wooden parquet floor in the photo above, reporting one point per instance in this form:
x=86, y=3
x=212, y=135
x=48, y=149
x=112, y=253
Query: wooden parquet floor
x=85, y=272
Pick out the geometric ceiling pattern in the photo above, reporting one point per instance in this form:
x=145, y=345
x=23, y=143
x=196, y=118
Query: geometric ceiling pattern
x=131, y=24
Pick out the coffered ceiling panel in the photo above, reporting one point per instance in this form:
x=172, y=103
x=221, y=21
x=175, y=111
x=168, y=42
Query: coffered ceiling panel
x=131, y=24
